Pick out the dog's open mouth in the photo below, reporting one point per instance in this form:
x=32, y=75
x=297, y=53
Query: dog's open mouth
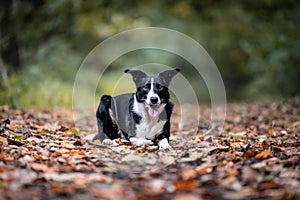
x=152, y=109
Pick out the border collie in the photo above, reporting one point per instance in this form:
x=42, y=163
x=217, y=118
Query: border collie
x=143, y=117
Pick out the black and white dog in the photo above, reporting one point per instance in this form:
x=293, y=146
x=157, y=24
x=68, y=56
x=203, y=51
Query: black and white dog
x=143, y=117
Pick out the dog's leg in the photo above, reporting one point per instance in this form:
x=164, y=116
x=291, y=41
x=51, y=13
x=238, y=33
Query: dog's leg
x=163, y=138
x=107, y=127
x=164, y=144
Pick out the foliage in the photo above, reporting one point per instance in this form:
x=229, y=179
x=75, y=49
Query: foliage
x=254, y=43
x=43, y=156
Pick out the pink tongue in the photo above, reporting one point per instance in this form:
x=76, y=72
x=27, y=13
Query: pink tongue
x=152, y=112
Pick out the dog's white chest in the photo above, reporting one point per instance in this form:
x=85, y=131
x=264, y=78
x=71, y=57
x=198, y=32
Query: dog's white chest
x=149, y=128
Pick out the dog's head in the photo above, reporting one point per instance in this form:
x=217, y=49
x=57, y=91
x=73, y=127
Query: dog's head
x=152, y=90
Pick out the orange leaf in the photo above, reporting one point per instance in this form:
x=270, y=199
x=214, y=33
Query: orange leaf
x=264, y=154
x=185, y=185
x=204, y=169
x=3, y=139
x=2, y=156
x=6, y=158
x=37, y=157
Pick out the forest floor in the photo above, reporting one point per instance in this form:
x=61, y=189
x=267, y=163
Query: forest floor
x=256, y=156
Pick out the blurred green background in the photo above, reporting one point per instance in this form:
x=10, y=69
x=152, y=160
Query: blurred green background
x=255, y=44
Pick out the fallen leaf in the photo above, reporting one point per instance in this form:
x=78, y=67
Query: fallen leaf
x=204, y=169
x=249, y=175
x=155, y=187
x=74, y=131
x=123, y=142
x=14, y=142
x=188, y=173
x=187, y=197
x=40, y=167
x=68, y=145
x=248, y=153
x=62, y=189
x=37, y=157
x=270, y=185
x=272, y=133
x=79, y=142
x=264, y=154
x=185, y=185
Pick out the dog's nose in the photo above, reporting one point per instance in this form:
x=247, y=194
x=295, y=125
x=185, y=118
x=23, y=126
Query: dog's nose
x=154, y=100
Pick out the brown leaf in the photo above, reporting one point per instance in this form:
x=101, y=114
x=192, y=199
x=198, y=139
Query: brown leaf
x=186, y=185
x=187, y=197
x=205, y=169
x=270, y=185
x=62, y=189
x=14, y=142
x=68, y=145
x=13, y=127
x=79, y=142
x=249, y=175
x=78, y=154
x=68, y=168
x=249, y=153
x=40, y=167
x=188, y=173
x=265, y=144
x=123, y=142
x=272, y=133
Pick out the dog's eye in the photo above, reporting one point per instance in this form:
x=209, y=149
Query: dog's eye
x=146, y=87
x=159, y=87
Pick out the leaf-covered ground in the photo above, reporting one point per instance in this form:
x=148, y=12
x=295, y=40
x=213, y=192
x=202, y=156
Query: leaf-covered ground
x=257, y=156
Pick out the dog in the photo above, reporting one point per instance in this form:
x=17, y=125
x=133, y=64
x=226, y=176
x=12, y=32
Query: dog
x=142, y=117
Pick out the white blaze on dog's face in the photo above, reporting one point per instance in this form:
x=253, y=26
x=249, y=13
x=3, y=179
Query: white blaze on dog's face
x=152, y=96
x=153, y=102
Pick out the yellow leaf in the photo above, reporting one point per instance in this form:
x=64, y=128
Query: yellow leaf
x=74, y=131
x=272, y=133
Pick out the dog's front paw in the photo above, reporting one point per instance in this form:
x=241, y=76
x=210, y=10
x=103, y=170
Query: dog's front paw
x=140, y=141
x=164, y=144
x=107, y=142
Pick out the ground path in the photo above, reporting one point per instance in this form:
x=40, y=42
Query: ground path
x=257, y=156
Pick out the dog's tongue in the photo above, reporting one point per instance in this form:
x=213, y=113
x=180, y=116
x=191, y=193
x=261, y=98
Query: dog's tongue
x=152, y=111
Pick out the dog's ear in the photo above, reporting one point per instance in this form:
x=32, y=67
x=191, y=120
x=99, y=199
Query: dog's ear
x=137, y=75
x=167, y=76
